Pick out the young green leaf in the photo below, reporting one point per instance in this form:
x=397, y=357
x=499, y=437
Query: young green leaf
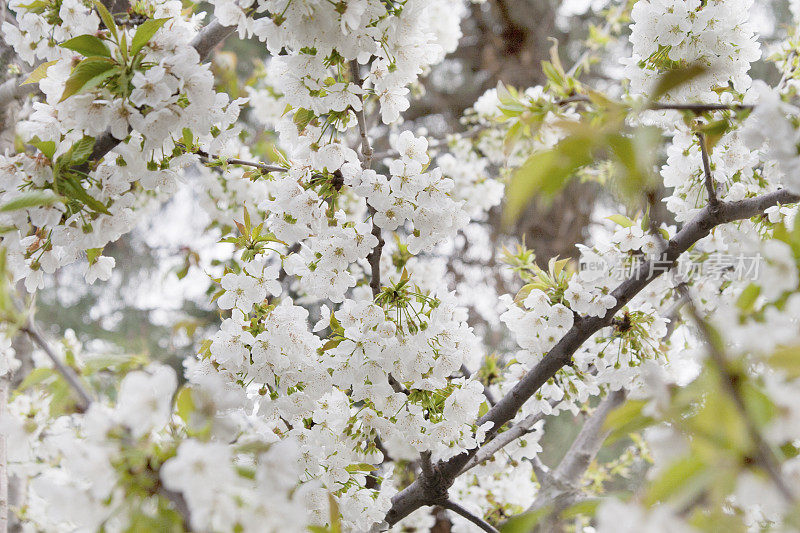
x=31, y=199
x=80, y=151
x=546, y=173
x=622, y=220
x=73, y=189
x=48, y=148
x=39, y=73
x=108, y=20
x=144, y=33
x=87, y=74
x=87, y=45
x=675, y=78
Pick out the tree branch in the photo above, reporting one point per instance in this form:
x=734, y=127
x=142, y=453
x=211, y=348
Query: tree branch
x=11, y=90
x=415, y=495
x=374, y=257
x=205, y=157
x=711, y=188
x=456, y=508
x=765, y=457
x=564, y=479
x=518, y=430
x=4, y=382
x=658, y=106
x=209, y=37
x=84, y=399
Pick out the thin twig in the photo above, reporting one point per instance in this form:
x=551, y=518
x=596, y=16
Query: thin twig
x=518, y=430
x=456, y=508
x=205, y=157
x=84, y=399
x=765, y=457
x=708, y=178
x=486, y=392
x=366, y=149
x=374, y=257
x=660, y=106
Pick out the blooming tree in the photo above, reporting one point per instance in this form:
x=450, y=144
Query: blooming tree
x=345, y=387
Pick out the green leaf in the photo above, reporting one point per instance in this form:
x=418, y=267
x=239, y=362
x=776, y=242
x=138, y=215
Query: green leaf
x=335, y=515
x=675, y=78
x=525, y=522
x=582, y=508
x=684, y=477
x=360, y=467
x=626, y=419
x=634, y=157
x=88, y=74
x=622, y=220
x=48, y=148
x=39, y=73
x=748, y=298
x=302, y=117
x=31, y=199
x=145, y=32
x=87, y=45
x=787, y=359
x=332, y=343
x=80, y=151
x=36, y=376
x=546, y=173
x=75, y=190
x=184, y=403
x=108, y=20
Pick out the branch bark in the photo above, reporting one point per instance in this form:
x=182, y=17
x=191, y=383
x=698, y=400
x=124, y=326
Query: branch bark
x=84, y=399
x=415, y=495
x=562, y=485
x=374, y=257
x=711, y=188
x=478, y=521
x=4, y=380
x=765, y=457
x=11, y=90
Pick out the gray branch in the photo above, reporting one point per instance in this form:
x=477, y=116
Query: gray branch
x=416, y=495
x=764, y=455
x=563, y=483
x=83, y=397
x=478, y=521
x=12, y=90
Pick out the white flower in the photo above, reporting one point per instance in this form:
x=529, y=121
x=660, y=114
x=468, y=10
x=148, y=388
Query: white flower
x=241, y=291
x=100, y=269
x=410, y=147
x=151, y=87
x=144, y=401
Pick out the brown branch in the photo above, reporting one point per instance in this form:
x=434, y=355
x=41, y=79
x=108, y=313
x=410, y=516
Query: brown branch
x=12, y=90
x=205, y=157
x=374, y=257
x=563, y=482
